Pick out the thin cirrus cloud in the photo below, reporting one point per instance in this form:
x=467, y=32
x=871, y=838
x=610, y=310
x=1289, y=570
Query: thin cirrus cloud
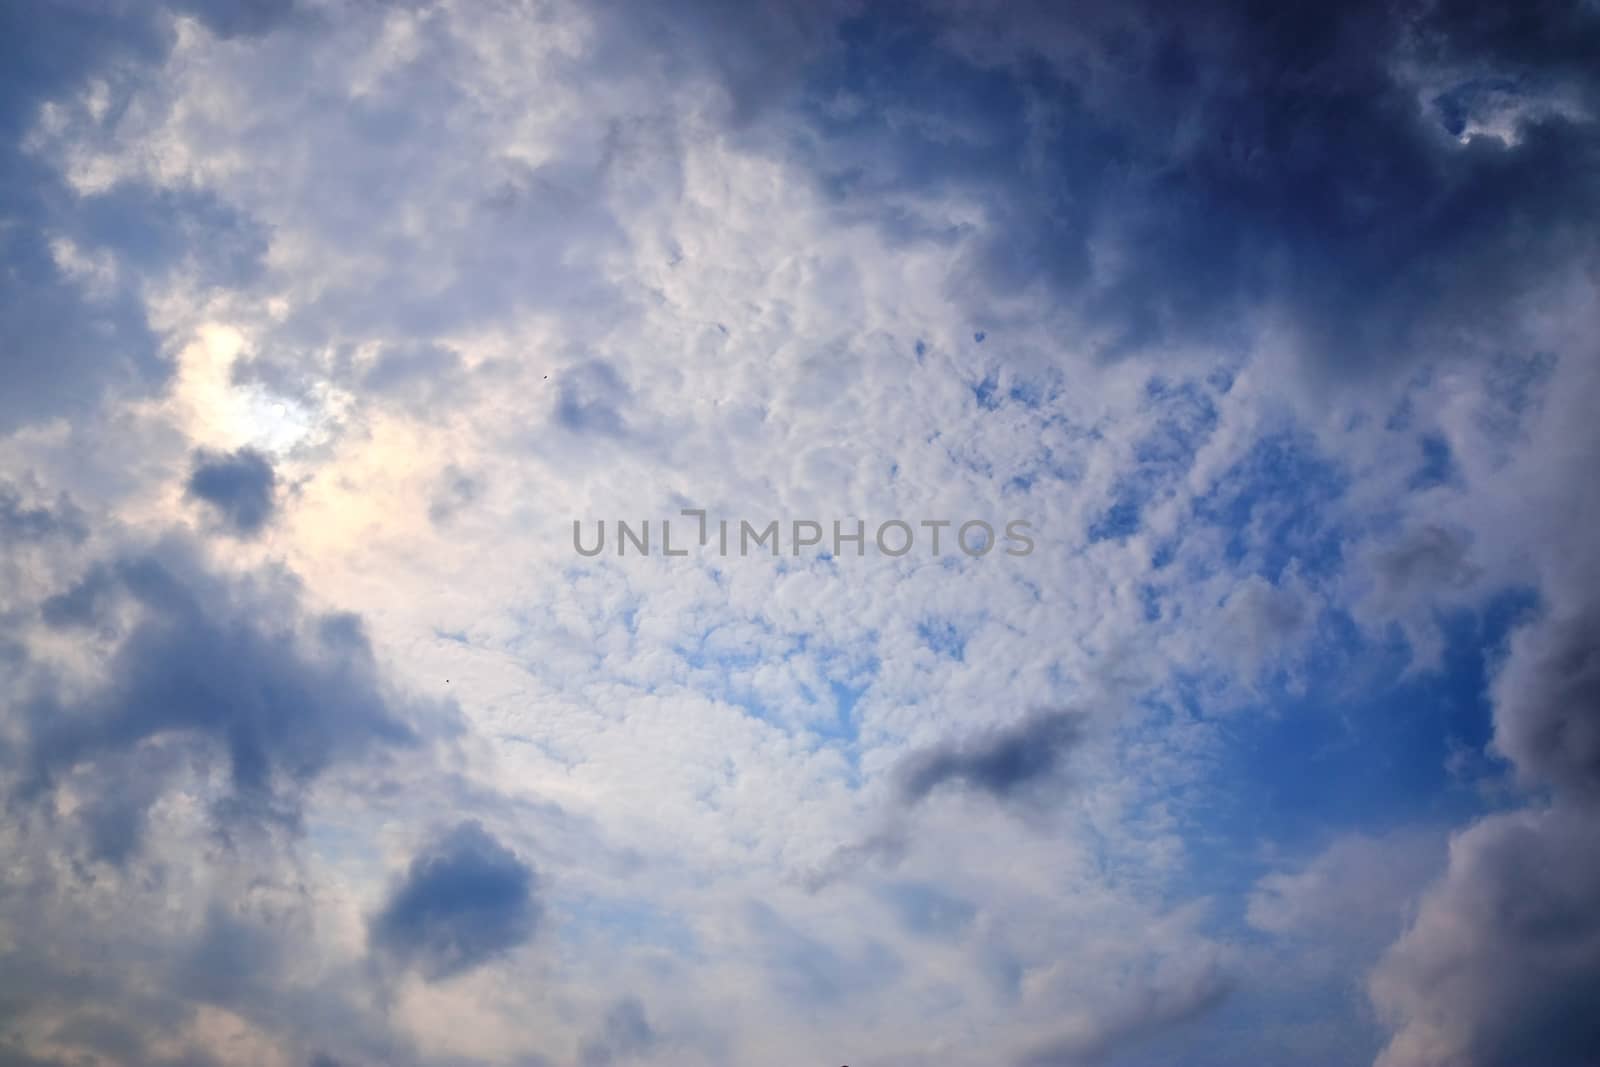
x=324, y=320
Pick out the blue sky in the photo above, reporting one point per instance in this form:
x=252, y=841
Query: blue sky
x=322, y=323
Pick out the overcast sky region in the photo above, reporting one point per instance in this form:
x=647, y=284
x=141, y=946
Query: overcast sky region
x=1215, y=679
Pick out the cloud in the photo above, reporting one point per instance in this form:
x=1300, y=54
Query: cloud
x=74, y=323
x=593, y=399
x=1423, y=561
x=1360, y=887
x=1001, y=762
x=421, y=375
x=200, y=667
x=22, y=522
x=624, y=1034
x=454, y=490
x=1264, y=620
x=1547, y=704
x=486, y=250
x=1224, y=172
x=241, y=487
x=464, y=901
x=1502, y=966
x=1163, y=1002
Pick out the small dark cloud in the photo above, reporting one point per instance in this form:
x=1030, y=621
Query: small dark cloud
x=625, y=1033
x=465, y=901
x=1424, y=561
x=1001, y=761
x=241, y=487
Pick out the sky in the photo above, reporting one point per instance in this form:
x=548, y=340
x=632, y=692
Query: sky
x=1262, y=727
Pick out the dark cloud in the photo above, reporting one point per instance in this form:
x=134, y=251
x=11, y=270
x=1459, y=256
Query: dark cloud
x=198, y=668
x=465, y=901
x=1547, y=704
x=1424, y=561
x=241, y=487
x=1502, y=965
x=1265, y=620
x=625, y=1033
x=1171, y=173
x=1001, y=762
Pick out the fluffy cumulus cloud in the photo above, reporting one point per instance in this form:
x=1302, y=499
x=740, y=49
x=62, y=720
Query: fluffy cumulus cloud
x=323, y=321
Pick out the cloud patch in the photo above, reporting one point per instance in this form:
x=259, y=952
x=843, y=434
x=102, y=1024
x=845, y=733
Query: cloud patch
x=240, y=488
x=464, y=901
x=1000, y=763
x=201, y=669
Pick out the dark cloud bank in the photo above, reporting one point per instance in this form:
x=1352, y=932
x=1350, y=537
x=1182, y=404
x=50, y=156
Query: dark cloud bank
x=1379, y=183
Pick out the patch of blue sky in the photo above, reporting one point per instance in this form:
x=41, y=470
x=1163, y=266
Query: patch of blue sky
x=1163, y=456
x=1361, y=746
x=926, y=910
x=591, y=921
x=943, y=637
x=1277, y=506
x=1437, y=466
x=727, y=671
